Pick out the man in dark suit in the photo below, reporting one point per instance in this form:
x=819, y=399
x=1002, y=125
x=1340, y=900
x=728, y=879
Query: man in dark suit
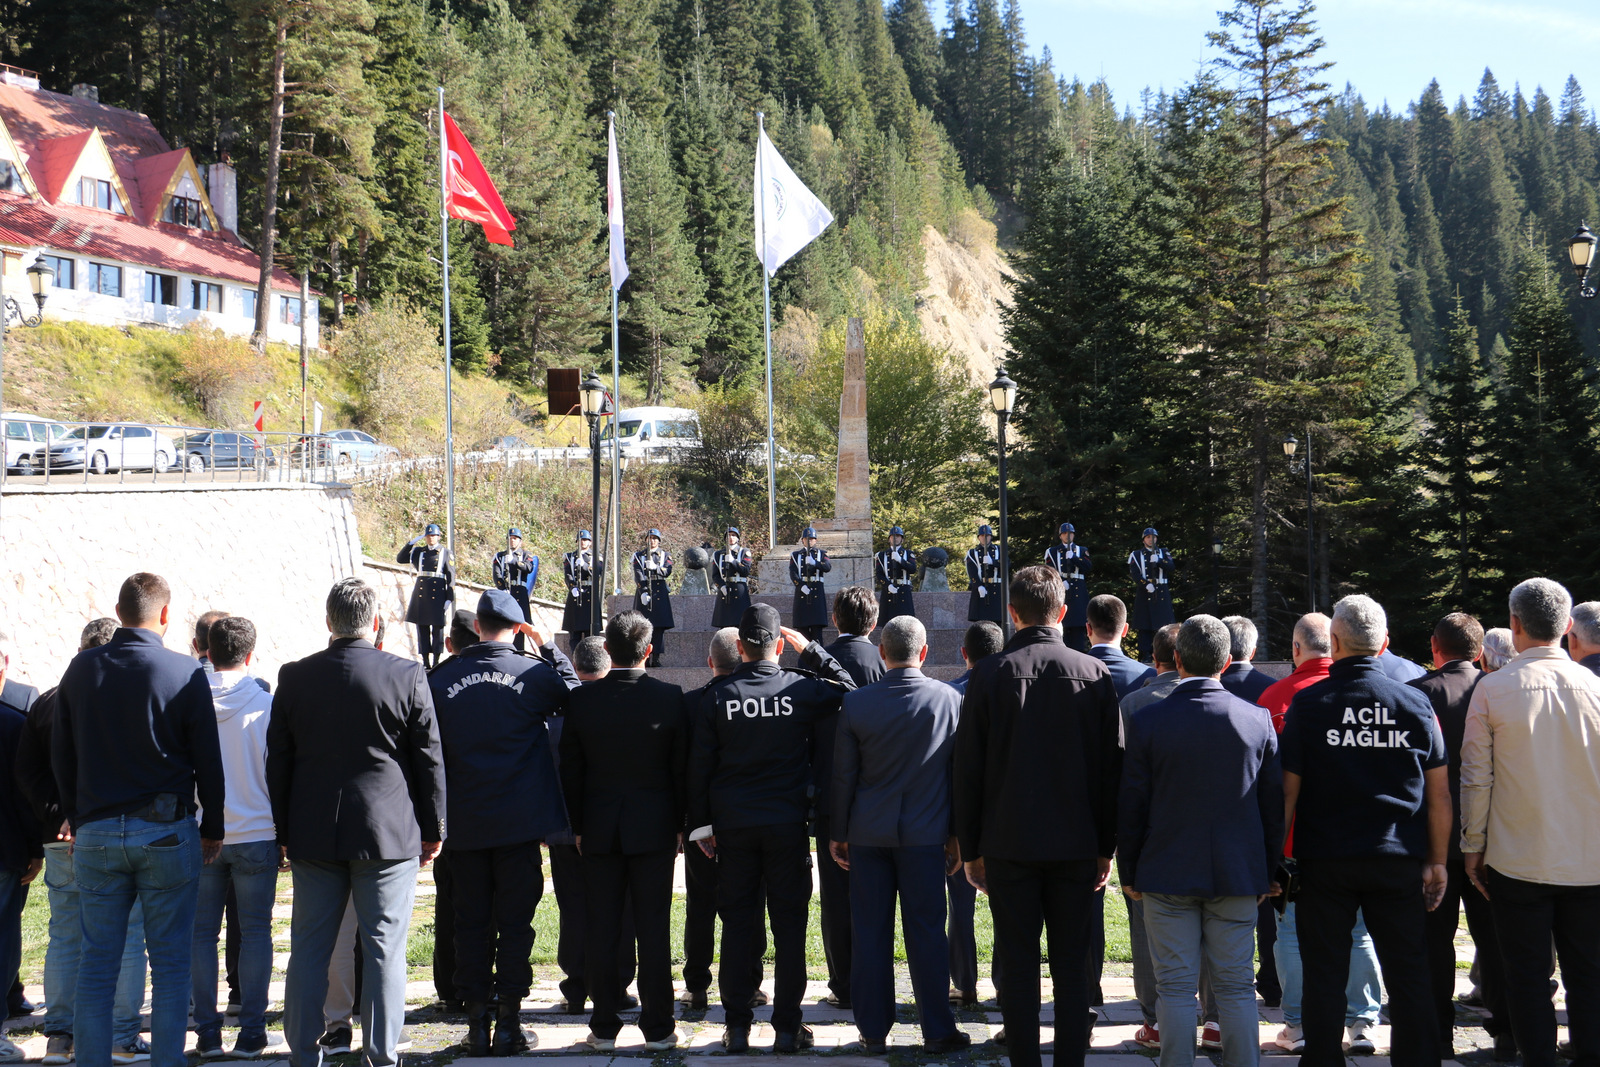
x=855, y=616
x=624, y=756
x=1108, y=624
x=1241, y=678
x=1037, y=770
x=982, y=640
x=356, y=776
x=1457, y=644
x=1201, y=831
x=891, y=803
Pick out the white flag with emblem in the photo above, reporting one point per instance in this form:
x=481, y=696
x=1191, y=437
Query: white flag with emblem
x=619, y=254
x=788, y=215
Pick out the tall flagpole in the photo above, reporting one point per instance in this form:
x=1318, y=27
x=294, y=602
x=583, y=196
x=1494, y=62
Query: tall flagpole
x=616, y=430
x=766, y=303
x=449, y=411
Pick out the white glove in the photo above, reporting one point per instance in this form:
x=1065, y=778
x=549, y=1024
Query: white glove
x=805, y=590
x=1150, y=587
x=644, y=598
x=983, y=591
x=577, y=592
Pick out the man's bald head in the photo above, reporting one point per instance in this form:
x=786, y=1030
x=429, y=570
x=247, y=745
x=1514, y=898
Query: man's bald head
x=1313, y=638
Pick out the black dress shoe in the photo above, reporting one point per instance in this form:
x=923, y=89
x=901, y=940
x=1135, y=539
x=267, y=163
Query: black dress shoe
x=627, y=1001
x=798, y=1041
x=480, y=1022
x=956, y=1041
x=736, y=1039
x=509, y=1038
x=760, y=999
x=21, y=1006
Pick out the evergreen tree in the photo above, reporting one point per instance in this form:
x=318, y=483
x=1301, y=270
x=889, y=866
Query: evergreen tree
x=1436, y=140
x=917, y=44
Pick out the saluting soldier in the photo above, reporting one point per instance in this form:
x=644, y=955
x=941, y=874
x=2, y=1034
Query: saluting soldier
x=895, y=568
x=730, y=580
x=651, y=567
x=807, y=565
x=984, y=579
x=1151, y=567
x=579, y=568
x=515, y=571
x=1072, y=562
x=434, y=594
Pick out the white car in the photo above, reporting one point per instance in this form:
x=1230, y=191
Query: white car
x=104, y=447
x=653, y=433
x=24, y=435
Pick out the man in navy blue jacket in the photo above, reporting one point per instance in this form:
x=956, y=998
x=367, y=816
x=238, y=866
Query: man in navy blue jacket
x=1201, y=830
x=1108, y=625
x=1241, y=678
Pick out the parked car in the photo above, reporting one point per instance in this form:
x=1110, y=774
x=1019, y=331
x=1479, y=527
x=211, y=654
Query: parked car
x=24, y=435
x=105, y=447
x=223, y=450
x=654, y=433
x=344, y=448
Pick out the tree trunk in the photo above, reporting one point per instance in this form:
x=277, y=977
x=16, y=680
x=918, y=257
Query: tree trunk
x=269, y=195
x=336, y=281
x=1258, y=529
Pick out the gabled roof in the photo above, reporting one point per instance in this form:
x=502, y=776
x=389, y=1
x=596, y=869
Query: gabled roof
x=35, y=115
x=11, y=152
x=155, y=176
x=54, y=159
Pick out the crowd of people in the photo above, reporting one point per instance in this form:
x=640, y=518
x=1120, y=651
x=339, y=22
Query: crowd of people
x=1334, y=824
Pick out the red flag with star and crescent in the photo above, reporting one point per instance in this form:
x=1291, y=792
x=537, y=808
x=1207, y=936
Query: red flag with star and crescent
x=469, y=193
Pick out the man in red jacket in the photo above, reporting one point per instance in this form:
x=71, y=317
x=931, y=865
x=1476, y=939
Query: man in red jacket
x=1313, y=655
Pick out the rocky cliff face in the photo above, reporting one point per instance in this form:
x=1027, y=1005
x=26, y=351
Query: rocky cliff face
x=966, y=289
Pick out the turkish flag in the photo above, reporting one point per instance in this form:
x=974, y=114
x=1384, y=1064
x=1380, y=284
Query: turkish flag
x=469, y=194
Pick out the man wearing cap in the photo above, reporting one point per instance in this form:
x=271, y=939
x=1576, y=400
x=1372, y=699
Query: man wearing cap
x=515, y=571
x=983, y=579
x=1151, y=568
x=730, y=580
x=807, y=565
x=749, y=778
x=580, y=567
x=895, y=568
x=502, y=796
x=1072, y=562
x=433, y=594
x=651, y=567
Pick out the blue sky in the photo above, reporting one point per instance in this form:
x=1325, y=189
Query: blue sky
x=1388, y=49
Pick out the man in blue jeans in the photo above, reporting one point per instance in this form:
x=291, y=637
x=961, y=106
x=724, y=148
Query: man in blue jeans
x=1363, y=994
x=249, y=861
x=135, y=743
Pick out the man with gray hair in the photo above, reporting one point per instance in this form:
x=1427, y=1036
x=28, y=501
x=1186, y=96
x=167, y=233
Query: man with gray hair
x=1241, y=678
x=1366, y=781
x=892, y=810
x=1530, y=787
x=1583, y=640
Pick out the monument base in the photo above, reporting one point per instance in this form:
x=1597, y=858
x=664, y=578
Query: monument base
x=848, y=543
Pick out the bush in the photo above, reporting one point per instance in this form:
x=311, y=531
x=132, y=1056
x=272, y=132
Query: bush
x=218, y=370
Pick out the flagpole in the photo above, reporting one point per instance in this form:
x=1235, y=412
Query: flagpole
x=449, y=412
x=766, y=304
x=616, y=430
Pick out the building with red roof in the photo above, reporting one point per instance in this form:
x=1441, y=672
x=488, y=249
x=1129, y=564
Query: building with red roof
x=134, y=230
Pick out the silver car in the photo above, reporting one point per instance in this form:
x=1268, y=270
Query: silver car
x=105, y=447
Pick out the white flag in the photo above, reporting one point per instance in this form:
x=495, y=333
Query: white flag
x=619, y=255
x=788, y=215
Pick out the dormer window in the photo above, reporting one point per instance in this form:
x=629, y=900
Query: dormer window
x=11, y=178
x=186, y=211
x=97, y=192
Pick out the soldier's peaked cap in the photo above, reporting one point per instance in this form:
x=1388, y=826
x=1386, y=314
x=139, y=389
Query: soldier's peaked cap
x=809, y=531
x=984, y=529
x=653, y=532
x=515, y=531
x=433, y=528
x=1067, y=527
x=731, y=530
x=583, y=535
x=1149, y=531
x=895, y=531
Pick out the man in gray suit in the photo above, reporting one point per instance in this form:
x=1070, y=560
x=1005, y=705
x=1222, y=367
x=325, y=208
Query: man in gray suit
x=1164, y=681
x=892, y=817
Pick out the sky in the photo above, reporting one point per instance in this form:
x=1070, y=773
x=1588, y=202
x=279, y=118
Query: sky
x=1387, y=49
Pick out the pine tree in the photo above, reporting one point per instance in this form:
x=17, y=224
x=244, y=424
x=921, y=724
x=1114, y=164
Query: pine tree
x=1482, y=218
x=618, y=41
x=1436, y=140
x=917, y=44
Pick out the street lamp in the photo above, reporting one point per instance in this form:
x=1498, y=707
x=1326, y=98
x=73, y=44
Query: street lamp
x=1003, y=398
x=593, y=394
x=1297, y=464
x=40, y=276
x=1580, y=250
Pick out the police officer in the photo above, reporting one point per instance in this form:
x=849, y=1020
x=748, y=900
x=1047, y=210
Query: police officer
x=984, y=579
x=515, y=571
x=807, y=565
x=749, y=778
x=894, y=568
x=494, y=706
x=1151, y=567
x=651, y=567
x=579, y=568
x=730, y=580
x=1072, y=562
x=433, y=595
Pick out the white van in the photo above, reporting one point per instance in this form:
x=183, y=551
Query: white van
x=24, y=435
x=654, y=433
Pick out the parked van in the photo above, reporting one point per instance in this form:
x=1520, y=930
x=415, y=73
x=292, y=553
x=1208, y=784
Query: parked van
x=654, y=433
x=24, y=435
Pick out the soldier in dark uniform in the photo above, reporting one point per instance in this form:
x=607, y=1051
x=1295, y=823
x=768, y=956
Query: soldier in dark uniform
x=984, y=580
x=807, y=565
x=651, y=566
x=894, y=568
x=433, y=595
x=515, y=571
x=730, y=580
x=579, y=568
x=1072, y=562
x=1151, y=568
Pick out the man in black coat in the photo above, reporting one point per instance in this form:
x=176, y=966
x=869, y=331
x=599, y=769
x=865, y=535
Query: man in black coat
x=807, y=565
x=356, y=777
x=494, y=705
x=1241, y=678
x=624, y=757
x=1038, y=766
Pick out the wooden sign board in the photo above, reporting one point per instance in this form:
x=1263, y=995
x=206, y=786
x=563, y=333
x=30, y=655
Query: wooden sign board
x=564, y=392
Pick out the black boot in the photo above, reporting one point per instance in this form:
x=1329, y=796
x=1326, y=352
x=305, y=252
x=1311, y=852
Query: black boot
x=508, y=1036
x=478, y=1023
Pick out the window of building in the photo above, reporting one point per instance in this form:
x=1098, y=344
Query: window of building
x=11, y=177
x=97, y=192
x=247, y=303
x=204, y=296
x=105, y=279
x=65, y=271
x=160, y=288
x=289, y=310
x=186, y=211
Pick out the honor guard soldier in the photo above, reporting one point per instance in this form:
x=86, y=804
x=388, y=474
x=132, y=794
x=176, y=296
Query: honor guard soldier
x=515, y=571
x=1151, y=568
x=895, y=567
x=579, y=568
x=651, y=567
x=730, y=580
x=807, y=565
x=983, y=579
x=433, y=595
x=1072, y=562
